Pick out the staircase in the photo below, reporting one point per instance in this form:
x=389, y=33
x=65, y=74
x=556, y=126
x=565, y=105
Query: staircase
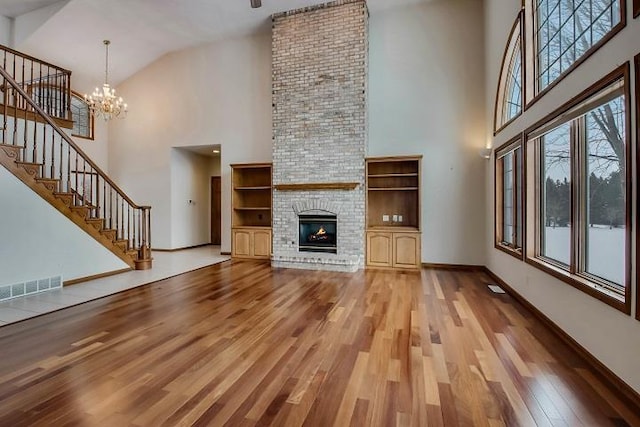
x=36, y=101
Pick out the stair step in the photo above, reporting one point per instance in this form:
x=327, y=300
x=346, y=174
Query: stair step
x=51, y=183
x=123, y=244
x=13, y=151
x=67, y=198
x=32, y=169
x=133, y=253
x=109, y=233
x=97, y=223
x=82, y=211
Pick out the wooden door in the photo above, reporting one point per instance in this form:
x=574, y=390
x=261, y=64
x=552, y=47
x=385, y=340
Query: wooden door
x=406, y=250
x=241, y=243
x=216, y=210
x=262, y=243
x=379, y=249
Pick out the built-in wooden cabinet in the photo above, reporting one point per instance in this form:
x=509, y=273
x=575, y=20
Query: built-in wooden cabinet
x=251, y=206
x=393, y=212
x=251, y=242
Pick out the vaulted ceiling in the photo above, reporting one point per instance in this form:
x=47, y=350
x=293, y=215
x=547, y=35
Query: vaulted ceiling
x=143, y=30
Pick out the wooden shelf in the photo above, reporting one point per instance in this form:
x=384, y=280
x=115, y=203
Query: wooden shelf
x=260, y=208
x=317, y=186
x=393, y=185
x=251, y=210
x=396, y=228
x=393, y=188
x=263, y=187
x=392, y=175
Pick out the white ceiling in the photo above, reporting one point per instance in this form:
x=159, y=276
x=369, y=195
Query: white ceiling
x=13, y=8
x=143, y=30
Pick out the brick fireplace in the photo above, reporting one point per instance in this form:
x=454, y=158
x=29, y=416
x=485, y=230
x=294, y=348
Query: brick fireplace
x=319, y=90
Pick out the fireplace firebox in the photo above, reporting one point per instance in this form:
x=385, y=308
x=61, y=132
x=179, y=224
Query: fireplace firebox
x=318, y=233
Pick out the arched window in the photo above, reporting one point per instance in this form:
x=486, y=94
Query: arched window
x=565, y=32
x=510, y=96
x=82, y=119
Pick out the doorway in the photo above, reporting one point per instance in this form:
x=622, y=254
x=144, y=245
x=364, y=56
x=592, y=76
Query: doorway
x=216, y=210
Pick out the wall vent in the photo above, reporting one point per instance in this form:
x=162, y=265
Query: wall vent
x=30, y=287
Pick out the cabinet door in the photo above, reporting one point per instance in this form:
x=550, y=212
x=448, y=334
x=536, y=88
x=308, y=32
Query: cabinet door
x=262, y=244
x=241, y=243
x=379, y=249
x=406, y=250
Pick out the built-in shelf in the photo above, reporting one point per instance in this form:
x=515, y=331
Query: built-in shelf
x=393, y=188
x=251, y=202
x=393, y=212
x=392, y=175
x=317, y=186
x=266, y=208
x=265, y=187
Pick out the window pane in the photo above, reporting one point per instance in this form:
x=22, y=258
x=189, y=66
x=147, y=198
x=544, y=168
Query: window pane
x=606, y=195
x=81, y=117
x=507, y=199
x=566, y=29
x=556, y=195
x=513, y=92
x=509, y=103
x=518, y=178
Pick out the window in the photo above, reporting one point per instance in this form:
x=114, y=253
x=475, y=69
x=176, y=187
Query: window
x=508, y=169
x=636, y=8
x=565, y=32
x=509, y=98
x=82, y=118
x=580, y=192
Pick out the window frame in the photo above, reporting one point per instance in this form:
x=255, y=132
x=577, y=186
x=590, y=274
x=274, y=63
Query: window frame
x=517, y=30
x=636, y=61
x=531, y=94
x=588, y=283
x=91, y=136
x=515, y=143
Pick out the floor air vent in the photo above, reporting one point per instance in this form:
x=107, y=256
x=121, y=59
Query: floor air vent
x=30, y=287
x=496, y=289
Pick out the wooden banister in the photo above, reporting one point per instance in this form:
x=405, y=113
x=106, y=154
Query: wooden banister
x=67, y=138
x=51, y=83
x=54, y=158
x=31, y=58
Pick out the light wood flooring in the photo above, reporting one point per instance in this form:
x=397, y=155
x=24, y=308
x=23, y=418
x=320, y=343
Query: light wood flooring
x=241, y=344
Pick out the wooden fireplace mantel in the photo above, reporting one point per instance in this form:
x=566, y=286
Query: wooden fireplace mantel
x=317, y=186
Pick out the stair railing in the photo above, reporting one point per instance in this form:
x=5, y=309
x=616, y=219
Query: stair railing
x=64, y=164
x=48, y=84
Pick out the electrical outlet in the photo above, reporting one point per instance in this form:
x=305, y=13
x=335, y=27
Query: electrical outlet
x=395, y=218
x=385, y=218
x=399, y=218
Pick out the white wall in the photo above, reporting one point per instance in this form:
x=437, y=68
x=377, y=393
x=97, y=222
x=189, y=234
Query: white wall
x=37, y=241
x=190, y=198
x=426, y=82
x=26, y=24
x=214, y=94
x=608, y=334
x=426, y=77
x=6, y=31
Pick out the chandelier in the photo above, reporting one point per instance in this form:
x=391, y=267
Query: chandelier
x=105, y=103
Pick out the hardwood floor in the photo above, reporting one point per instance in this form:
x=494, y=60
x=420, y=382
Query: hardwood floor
x=241, y=344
